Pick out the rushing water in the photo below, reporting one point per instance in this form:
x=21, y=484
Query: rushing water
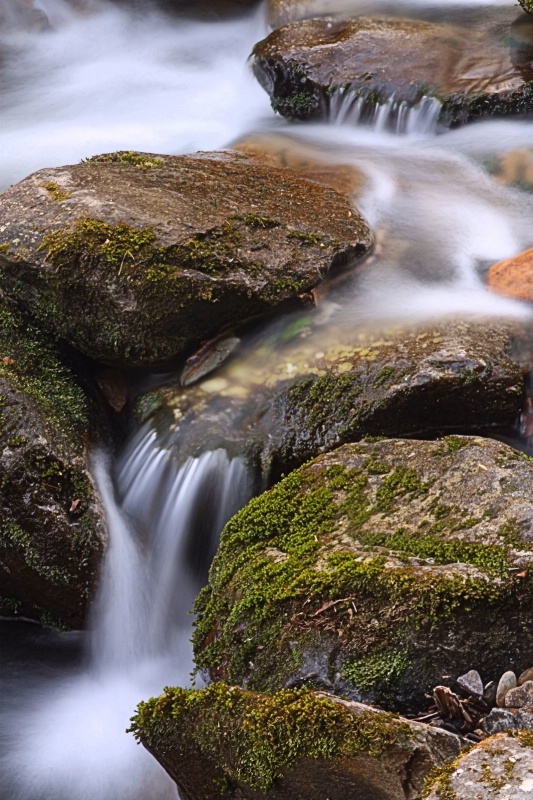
x=102, y=77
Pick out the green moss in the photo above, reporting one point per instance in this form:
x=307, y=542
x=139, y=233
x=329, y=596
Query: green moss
x=382, y=669
x=12, y=535
x=270, y=733
x=58, y=194
x=31, y=363
x=384, y=375
x=129, y=158
x=255, y=221
x=299, y=105
x=276, y=554
x=4, y=248
x=309, y=239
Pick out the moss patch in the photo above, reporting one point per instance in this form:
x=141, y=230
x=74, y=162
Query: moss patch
x=268, y=732
x=143, y=161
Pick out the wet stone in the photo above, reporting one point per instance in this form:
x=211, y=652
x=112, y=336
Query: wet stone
x=513, y=277
x=520, y=697
x=311, y=65
x=506, y=683
x=471, y=683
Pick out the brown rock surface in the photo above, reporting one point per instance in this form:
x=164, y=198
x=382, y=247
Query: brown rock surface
x=520, y=697
x=473, y=73
x=514, y=276
x=134, y=259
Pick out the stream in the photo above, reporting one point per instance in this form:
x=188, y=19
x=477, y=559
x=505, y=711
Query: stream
x=109, y=76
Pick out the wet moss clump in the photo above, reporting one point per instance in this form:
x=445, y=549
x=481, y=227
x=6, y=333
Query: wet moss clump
x=269, y=733
x=56, y=191
x=143, y=161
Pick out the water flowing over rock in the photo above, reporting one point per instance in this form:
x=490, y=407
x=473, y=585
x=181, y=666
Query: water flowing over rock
x=224, y=742
x=134, y=258
x=52, y=527
x=472, y=73
x=501, y=766
x=292, y=398
x=376, y=572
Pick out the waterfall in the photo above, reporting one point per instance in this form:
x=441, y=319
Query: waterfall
x=164, y=519
x=397, y=116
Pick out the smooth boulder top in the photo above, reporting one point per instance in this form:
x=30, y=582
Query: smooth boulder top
x=222, y=742
x=135, y=259
x=375, y=571
x=482, y=71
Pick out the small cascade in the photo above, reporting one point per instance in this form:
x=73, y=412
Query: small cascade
x=69, y=741
x=346, y=107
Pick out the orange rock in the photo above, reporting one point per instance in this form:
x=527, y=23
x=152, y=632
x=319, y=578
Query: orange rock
x=513, y=277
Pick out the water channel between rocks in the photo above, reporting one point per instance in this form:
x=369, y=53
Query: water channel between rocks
x=108, y=77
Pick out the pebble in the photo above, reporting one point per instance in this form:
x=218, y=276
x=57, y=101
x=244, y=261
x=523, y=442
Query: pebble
x=471, y=683
x=489, y=695
x=507, y=682
x=525, y=676
x=520, y=697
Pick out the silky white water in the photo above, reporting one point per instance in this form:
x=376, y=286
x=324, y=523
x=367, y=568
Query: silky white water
x=117, y=77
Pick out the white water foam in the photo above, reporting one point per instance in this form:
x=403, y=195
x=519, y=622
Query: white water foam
x=348, y=107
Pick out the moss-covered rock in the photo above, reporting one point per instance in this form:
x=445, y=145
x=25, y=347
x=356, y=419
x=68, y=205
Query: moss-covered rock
x=299, y=394
x=223, y=742
x=472, y=72
x=376, y=571
x=52, y=527
x=527, y=5
x=135, y=258
x=499, y=767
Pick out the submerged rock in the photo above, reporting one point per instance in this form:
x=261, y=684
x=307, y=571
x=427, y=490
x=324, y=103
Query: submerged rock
x=499, y=767
x=52, y=526
x=376, y=572
x=135, y=259
x=292, y=399
x=305, y=159
x=223, y=742
x=308, y=67
x=513, y=277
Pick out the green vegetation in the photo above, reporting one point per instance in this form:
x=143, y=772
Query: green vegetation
x=374, y=670
x=268, y=732
x=299, y=105
x=132, y=158
x=282, y=552
x=56, y=191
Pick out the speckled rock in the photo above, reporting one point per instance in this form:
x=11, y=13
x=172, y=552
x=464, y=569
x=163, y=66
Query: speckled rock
x=301, y=394
x=473, y=73
x=376, y=572
x=505, y=684
x=471, y=682
x=501, y=719
x=52, y=526
x=520, y=697
x=222, y=742
x=134, y=259
x=500, y=767
x=513, y=277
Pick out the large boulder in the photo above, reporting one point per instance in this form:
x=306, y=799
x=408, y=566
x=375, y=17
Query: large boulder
x=135, y=258
x=301, y=392
x=308, y=67
x=52, y=526
x=223, y=742
x=499, y=767
x=376, y=572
